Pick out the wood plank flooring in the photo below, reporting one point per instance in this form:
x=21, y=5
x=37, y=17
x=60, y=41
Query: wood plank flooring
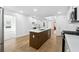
x=54, y=44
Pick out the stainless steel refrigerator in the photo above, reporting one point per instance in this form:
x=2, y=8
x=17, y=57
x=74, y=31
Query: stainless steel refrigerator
x=1, y=29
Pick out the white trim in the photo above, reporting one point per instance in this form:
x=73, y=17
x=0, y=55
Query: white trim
x=22, y=35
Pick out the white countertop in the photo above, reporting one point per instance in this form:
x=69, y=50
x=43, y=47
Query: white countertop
x=38, y=30
x=73, y=42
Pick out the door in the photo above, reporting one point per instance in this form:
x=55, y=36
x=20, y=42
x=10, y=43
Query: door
x=1, y=30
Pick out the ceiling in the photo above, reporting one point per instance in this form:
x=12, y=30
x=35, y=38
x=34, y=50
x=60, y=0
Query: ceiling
x=39, y=10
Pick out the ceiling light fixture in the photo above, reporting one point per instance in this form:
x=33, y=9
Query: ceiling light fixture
x=35, y=10
x=59, y=12
x=55, y=17
x=21, y=11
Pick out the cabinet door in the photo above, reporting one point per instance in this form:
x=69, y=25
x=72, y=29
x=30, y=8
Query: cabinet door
x=66, y=47
x=34, y=39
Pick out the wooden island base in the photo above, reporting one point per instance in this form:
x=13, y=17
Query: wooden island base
x=37, y=39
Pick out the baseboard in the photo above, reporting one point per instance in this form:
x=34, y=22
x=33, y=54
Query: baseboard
x=21, y=36
x=10, y=38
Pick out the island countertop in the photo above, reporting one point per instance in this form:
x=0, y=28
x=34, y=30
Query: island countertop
x=38, y=30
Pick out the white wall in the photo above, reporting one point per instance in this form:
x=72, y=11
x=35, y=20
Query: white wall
x=23, y=25
x=60, y=24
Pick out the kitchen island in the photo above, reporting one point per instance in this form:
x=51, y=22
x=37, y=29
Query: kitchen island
x=38, y=37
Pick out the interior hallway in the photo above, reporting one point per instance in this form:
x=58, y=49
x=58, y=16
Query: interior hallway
x=22, y=44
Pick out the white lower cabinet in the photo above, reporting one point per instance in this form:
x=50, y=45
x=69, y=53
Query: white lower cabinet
x=67, y=49
x=71, y=43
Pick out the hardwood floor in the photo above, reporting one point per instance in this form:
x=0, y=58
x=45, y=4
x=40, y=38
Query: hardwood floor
x=22, y=45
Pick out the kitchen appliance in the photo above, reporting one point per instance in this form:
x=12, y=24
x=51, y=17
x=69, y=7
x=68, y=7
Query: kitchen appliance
x=1, y=30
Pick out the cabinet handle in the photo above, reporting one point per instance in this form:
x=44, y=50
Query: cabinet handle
x=33, y=36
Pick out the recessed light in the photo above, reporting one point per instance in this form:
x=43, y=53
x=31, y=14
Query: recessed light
x=59, y=12
x=21, y=11
x=35, y=10
x=55, y=17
